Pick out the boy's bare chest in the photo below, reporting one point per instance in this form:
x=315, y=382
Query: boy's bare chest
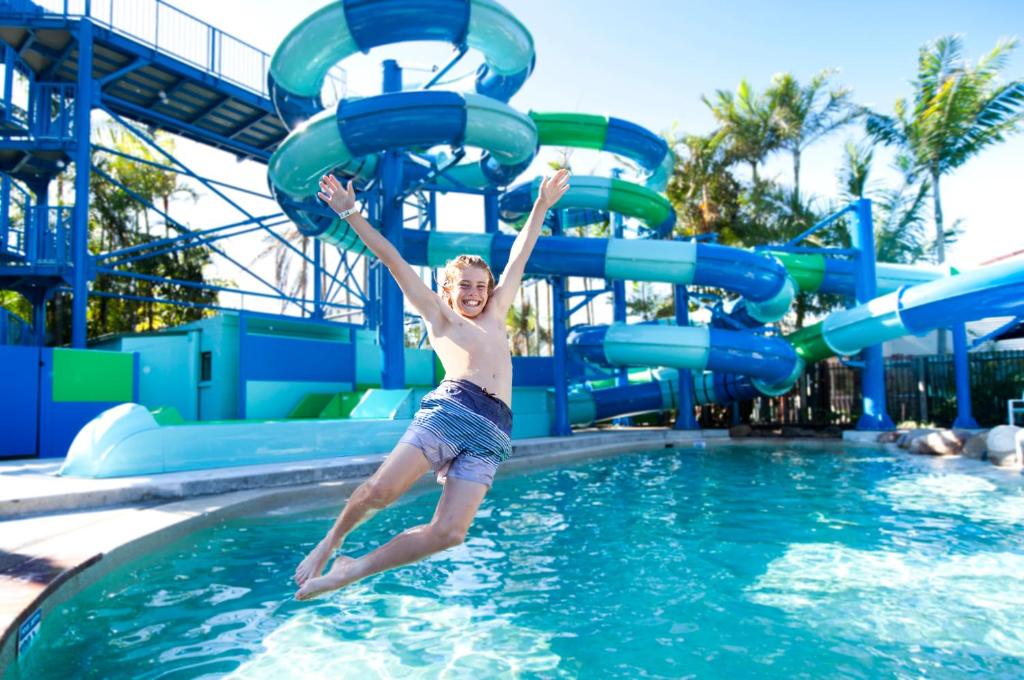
x=472, y=337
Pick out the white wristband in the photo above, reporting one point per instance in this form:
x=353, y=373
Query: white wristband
x=345, y=213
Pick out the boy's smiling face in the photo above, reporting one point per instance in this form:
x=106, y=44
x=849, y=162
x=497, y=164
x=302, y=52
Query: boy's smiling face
x=468, y=291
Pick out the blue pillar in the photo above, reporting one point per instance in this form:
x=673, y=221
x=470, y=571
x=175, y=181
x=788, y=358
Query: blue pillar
x=38, y=249
x=392, y=327
x=875, y=416
x=318, y=307
x=619, y=304
x=80, y=218
x=5, y=206
x=686, y=419
x=560, y=427
x=491, y=212
x=961, y=364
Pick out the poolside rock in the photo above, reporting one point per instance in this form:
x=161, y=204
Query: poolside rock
x=910, y=435
x=890, y=437
x=740, y=431
x=937, y=443
x=976, y=447
x=1002, y=443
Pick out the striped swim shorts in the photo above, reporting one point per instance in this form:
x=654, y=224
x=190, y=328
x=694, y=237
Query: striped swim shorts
x=461, y=425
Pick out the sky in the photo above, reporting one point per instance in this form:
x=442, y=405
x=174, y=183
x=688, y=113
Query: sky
x=650, y=61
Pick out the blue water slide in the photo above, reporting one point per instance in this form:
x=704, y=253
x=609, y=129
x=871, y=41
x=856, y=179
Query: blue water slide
x=773, y=364
x=348, y=139
x=344, y=28
x=587, y=406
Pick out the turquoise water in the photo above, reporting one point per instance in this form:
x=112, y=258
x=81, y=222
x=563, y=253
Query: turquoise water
x=723, y=562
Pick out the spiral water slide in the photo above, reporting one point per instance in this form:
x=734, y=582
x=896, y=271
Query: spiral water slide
x=774, y=363
x=350, y=138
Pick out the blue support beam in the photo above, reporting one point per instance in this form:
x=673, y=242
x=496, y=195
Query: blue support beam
x=875, y=416
x=80, y=219
x=392, y=328
x=318, y=302
x=560, y=427
x=962, y=368
x=619, y=304
x=491, y=212
x=685, y=419
x=207, y=286
x=272, y=220
x=183, y=229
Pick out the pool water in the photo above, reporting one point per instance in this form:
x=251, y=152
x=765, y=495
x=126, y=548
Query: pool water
x=728, y=561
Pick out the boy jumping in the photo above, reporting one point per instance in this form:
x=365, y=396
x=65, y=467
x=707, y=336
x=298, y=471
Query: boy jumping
x=462, y=429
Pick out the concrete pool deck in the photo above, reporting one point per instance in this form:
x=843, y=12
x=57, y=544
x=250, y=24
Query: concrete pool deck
x=58, y=535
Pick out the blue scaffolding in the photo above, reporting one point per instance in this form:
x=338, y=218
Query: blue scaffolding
x=148, y=66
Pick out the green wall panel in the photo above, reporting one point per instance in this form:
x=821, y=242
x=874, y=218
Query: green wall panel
x=90, y=375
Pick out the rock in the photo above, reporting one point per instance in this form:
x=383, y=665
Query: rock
x=794, y=432
x=1003, y=443
x=910, y=435
x=740, y=431
x=889, y=437
x=937, y=443
x=1007, y=460
x=976, y=447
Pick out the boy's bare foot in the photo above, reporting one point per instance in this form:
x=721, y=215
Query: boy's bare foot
x=340, y=575
x=314, y=563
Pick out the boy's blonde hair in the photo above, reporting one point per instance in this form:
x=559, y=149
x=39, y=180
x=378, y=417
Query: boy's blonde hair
x=452, y=268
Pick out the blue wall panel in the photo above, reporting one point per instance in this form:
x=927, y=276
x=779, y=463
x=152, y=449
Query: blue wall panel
x=266, y=357
x=533, y=371
x=19, y=400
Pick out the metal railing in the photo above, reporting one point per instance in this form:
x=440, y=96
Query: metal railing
x=161, y=25
x=920, y=389
x=15, y=219
x=52, y=111
x=57, y=243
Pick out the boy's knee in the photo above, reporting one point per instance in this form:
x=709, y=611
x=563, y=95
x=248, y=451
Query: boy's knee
x=376, y=494
x=449, y=536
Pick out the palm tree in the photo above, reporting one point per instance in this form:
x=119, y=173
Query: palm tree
x=702, y=189
x=958, y=110
x=803, y=115
x=748, y=123
x=898, y=213
x=283, y=257
x=523, y=325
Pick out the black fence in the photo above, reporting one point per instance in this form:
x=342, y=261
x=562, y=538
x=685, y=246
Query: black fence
x=920, y=389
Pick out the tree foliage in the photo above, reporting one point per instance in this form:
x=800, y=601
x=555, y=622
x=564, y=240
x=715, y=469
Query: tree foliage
x=118, y=219
x=957, y=110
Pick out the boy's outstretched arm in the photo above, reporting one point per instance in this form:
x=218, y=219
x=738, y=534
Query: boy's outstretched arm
x=342, y=199
x=551, y=190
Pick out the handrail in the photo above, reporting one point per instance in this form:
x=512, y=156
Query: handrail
x=162, y=26
x=823, y=223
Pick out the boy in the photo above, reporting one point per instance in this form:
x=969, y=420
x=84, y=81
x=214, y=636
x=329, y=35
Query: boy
x=462, y=428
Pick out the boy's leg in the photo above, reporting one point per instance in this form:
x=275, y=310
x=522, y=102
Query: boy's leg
x=400, y=470
x=455, y=512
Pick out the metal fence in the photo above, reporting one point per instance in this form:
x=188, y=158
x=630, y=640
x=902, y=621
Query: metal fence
x=163, y=26
x=920, y=389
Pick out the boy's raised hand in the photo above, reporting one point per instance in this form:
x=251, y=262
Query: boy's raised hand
x=553, y=188
x=339, y=198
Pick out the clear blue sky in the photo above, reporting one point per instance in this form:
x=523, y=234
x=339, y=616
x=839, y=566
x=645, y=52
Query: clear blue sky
x=650, y=61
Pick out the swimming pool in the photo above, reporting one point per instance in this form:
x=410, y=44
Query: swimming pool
x=731, y=560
